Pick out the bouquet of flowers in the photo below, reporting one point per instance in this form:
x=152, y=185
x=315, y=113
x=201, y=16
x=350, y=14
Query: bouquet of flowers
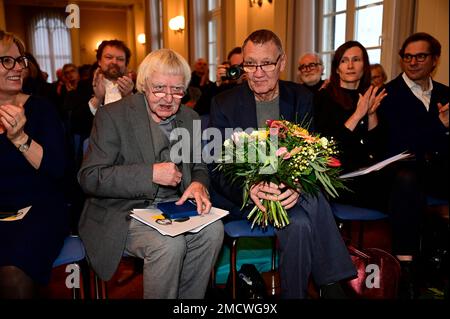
x=282, y=153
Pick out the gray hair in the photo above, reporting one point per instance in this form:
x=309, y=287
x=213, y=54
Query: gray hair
x=315, y=54
x=264, y=36
x=165, y=61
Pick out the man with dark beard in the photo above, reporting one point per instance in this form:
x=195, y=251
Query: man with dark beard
x=111, y=80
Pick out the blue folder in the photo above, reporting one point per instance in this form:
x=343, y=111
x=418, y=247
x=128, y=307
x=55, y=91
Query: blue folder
x=172, y=211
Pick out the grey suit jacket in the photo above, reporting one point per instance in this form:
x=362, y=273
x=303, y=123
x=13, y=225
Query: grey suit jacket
x=116, y=175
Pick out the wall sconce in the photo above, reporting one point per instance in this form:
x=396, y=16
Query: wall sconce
x=258, y=2
x=177, y=24
x=141, y=38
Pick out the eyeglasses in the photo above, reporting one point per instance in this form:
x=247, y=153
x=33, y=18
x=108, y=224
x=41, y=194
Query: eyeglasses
x=420, y=57
x=9, y=62
x=177, y=92
x=308, y=67
x=266, y=67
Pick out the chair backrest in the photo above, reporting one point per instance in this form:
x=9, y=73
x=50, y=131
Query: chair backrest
x=85, y=145
x=72, y=251
x=242, y=228
x=349, y=212
x=433, y=201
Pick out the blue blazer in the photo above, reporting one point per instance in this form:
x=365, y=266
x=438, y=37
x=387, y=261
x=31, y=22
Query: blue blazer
x=236, y=108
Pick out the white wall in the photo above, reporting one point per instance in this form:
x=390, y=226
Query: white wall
x=432, y=17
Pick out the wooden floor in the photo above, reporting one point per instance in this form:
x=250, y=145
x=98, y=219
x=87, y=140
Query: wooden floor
x=376, y=234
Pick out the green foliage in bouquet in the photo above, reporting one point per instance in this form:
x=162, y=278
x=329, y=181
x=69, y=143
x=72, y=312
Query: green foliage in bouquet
x=282, y=153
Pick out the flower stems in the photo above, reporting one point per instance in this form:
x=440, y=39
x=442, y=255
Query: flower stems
x=275, y=214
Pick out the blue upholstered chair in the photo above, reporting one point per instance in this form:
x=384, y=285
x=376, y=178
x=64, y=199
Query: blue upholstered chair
x=73, y=253
x=239, y=229
x=433, y=201
x=348, y=213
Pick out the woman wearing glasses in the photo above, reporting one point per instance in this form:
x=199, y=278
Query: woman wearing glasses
x=32, y=163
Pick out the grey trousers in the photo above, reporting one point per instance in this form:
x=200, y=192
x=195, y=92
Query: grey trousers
x=175, y=267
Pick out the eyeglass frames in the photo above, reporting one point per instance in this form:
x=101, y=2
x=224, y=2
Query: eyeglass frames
x=160, y=91
x=420, y=57
x=266, y=67
x=308, y=67
x=9, y=62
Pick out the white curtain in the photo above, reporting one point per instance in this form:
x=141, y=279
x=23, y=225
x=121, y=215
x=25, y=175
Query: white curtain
x=50, y=42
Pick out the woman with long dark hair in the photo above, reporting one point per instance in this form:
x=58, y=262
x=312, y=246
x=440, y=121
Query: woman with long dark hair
x=347, y=110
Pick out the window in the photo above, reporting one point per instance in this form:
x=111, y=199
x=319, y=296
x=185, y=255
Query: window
x=156, y=24
x=345, y=20
x=213, y=34
x=50, y=42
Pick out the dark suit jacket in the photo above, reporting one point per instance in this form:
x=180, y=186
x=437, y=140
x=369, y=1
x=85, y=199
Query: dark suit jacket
x=116, y=175
x=410, y=127
x=236, y=108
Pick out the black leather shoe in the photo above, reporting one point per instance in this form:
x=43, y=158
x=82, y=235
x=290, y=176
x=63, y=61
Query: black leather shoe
x=333, y=291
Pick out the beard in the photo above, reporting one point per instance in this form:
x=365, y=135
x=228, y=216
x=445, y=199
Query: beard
x=113, y=72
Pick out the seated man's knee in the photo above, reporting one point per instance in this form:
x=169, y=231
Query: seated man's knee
x=213, y=234
x=172, y=249
x=299, y=221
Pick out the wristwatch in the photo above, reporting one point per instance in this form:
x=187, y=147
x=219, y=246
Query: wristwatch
x=24, y=147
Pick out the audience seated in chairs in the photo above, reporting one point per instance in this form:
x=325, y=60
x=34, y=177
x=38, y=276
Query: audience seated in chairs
x=348, y=110
x=32, y=163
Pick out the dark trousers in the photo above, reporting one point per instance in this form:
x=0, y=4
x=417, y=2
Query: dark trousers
x=397, y=190
x=310, y=245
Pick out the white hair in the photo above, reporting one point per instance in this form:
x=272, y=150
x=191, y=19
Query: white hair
x=165, y=61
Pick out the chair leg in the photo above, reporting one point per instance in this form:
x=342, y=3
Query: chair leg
x=274, y=253
x=101, y=291
x=78, y=293
x=273, y=283
x=233, y=270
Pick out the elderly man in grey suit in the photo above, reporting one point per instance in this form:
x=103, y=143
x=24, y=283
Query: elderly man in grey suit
x=128, y=165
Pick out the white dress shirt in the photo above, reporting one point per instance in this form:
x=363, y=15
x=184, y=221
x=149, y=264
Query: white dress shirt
x=112, y=94
x=424, y=96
